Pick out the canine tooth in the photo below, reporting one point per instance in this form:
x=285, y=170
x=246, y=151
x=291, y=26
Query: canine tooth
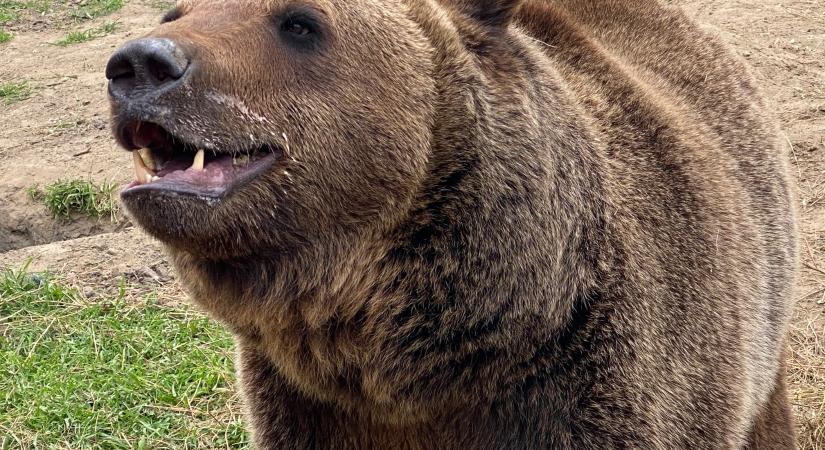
x=198, y=163
x=148, y=158
x=138, y=166
x=142, y=173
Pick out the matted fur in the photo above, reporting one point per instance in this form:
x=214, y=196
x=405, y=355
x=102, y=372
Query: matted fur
x=499, y=224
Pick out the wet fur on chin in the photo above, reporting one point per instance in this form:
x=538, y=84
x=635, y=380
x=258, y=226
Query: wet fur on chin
x=574, y=230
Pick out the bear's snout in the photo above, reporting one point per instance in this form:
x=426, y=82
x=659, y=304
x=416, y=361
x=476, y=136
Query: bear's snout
x=144, y=69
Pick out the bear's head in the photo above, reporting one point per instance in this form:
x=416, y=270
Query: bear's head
x=265, y=126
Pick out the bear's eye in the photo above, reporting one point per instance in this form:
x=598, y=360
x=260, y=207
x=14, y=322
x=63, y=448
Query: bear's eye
x=300, y=29
x=296, y=27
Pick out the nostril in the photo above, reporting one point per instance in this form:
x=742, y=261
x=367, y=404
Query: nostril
x=119, y=67
x=159, y=73
x=162, y=69
x=121, y=74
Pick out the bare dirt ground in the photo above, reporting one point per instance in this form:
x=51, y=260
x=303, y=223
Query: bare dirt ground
x=61, y=131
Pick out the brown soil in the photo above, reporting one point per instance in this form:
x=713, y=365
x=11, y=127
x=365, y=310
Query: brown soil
x=42, y=138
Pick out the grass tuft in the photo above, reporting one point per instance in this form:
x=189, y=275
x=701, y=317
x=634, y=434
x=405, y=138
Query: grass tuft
x=9, y=11
x=16, y=11
x=110, y=374
x=163, y=5
x=5, y=36
x=77, y=37
x=14, y=91
x=64, y=198
x=91, y=9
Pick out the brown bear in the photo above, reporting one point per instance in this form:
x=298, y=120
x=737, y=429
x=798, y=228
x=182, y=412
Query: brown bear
x=458, y=224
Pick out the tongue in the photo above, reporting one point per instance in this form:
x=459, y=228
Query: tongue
x=214, y=174
x=218, y=176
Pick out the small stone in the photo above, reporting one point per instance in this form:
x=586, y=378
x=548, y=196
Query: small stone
x=38, y=279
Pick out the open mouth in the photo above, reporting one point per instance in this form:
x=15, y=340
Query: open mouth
x=165, y=162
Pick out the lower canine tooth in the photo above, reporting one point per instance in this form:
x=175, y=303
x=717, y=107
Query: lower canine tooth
x=142, y=173
x=198, y=163
x=148, y=158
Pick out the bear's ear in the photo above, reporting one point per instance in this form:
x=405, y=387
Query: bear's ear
x=494, y=13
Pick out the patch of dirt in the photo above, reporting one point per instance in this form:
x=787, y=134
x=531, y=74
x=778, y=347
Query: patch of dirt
x=25, y=222
x=102, y=265
x=42, y=139
x=62, y=130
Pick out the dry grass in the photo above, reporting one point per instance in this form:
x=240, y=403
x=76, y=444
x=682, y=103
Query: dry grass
x=806, y=365
x=806, y=376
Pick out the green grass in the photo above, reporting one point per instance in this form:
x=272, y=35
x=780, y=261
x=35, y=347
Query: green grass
x=110, y=374
x=14, y=91
x=163, y=5
x=91, y=9
x=65, y=198
x=5, y=36
x=12, y=11
x=67, y=124
x=76, y=37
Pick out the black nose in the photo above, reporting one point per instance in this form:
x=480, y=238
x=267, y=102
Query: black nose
x=146, y=67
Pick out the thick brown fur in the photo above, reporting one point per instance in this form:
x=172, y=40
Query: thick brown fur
x=497, y=224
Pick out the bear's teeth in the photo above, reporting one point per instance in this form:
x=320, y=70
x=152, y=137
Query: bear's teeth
x=148, y=158
x=198, y=163
x=143, y=174
x=240, y=160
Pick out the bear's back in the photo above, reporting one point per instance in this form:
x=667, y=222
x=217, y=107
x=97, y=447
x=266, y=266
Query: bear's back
x=697, y=186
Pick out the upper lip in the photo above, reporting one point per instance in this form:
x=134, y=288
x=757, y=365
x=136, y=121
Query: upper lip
x=137, y=134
